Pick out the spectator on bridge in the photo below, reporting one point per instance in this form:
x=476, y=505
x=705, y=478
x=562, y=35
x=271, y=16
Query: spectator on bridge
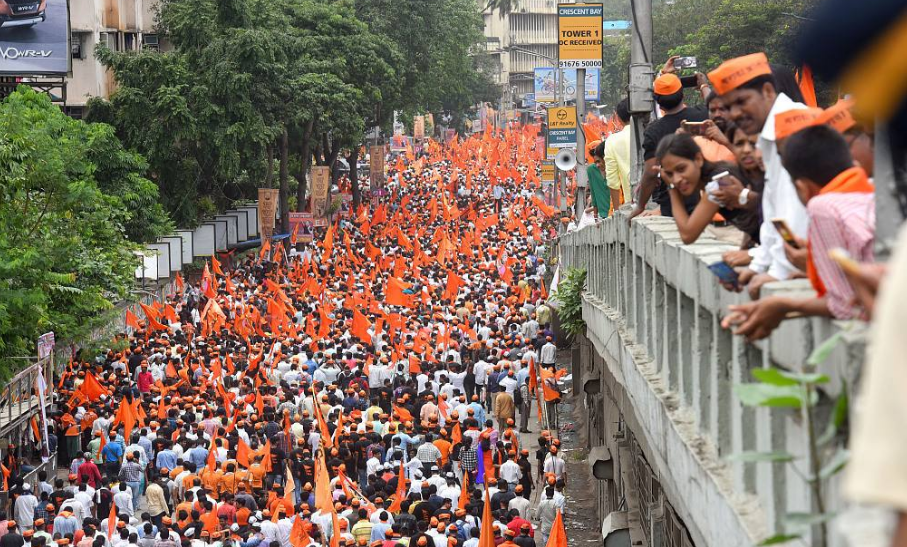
x=841, y=204
x=749, y=162
x=617, y=158
x=687, y=173
x=748, y=89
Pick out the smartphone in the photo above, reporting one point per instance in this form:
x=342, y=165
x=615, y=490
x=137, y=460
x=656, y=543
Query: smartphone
x=689, y=81
x=842, y=258
x=785, y=232
x=685, y=62
x=721, y=178
x=726, y=273
x=694, y=128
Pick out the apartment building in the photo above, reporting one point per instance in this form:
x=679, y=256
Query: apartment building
x=521, y=40
x=123, y=25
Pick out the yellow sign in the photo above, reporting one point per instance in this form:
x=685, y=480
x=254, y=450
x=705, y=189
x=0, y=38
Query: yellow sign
x=547, y=171
x=562, y=127
x=579, y=32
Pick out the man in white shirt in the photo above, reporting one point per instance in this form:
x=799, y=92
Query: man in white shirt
x=747, y=87
x=549, y=352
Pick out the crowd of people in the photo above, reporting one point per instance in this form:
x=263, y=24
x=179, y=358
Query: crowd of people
x=375, y=387
x=794, y=180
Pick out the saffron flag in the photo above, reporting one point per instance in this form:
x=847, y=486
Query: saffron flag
x=558, y=537
x=401, y=490
x=486, y=534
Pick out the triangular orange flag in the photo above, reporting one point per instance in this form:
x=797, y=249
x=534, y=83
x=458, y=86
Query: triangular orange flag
x=558, y=536
x=132, y=320
x=360, y=326
x=486, y=533
x=400, y=493
x=112, y=520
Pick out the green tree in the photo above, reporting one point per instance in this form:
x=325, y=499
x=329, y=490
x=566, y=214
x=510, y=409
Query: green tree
x=69, y=195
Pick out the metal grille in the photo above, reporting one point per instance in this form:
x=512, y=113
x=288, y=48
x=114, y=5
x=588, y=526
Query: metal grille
x=649, y=494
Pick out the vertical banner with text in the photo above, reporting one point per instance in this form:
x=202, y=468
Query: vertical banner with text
x=267, y=211
x=419, y=127
x=376, y=166
x=321, y=190
x=561, y=127
x=579, y=35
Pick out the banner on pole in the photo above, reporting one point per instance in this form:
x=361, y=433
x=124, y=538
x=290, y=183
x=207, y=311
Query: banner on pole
x=321, y=190
x=562, y=128
x=376, y=166
x=267, y=211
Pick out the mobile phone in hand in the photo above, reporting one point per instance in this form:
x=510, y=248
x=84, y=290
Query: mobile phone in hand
x=697, y=129
x=726, y=274
x=785, y=232
x=685, y=62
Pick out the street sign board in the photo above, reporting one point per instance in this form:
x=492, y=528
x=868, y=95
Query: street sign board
x=579, y=43
x=562, y=127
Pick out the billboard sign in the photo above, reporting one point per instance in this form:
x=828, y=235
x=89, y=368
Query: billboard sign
x=548, y=171
x=419, y=127
x=579, y=31
x=546, y=86
x=34, y=37
x=562, y=127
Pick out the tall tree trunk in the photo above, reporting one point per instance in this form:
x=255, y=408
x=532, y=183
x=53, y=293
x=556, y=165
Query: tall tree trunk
x=332, y=159
x=269, y=150
x=284, y=182
x=353, y=160
x=305, y=159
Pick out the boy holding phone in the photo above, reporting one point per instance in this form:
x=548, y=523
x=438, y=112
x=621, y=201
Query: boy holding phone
x=841, y=205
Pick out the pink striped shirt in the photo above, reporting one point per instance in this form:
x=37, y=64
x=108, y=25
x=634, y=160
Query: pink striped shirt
x=846, y=221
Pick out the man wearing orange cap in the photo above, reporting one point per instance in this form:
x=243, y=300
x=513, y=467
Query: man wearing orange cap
x=669, y=97
x=748, y=89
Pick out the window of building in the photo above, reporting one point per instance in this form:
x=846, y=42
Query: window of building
x=150, y=41
x=130, y=41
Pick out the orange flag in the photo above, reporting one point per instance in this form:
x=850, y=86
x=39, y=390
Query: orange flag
x=464, y=493
x=91, y=388
x=360, y=326
x=180, y=286
x=215, y=265
x=298, y=534
x=400, y=494
x=6, y=473
x=454, y=282
x=808, y=87
x=404, y=414
x=112, y=520
x=533, y=377
x=212, y=454
x=132, y=320
x=558, y=537
x=486, y=534
x=328, y=244
x=323, y=500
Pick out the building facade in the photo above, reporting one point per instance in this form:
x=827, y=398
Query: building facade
x=519, y=41
x=123, y=25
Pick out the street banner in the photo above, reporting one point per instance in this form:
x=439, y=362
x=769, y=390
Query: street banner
x=346, y=205
x=548, y=171
x=562, y=127
x=376, y=166
x=267, y=211
x=579, y=43
x=546, y=84
x=419, y=127
x=399, y=143
x=306, y=222
x=46, y=343
x=34, y=38
x=321, y=190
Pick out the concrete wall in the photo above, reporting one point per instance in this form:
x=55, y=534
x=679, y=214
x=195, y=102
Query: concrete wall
x=666, y=367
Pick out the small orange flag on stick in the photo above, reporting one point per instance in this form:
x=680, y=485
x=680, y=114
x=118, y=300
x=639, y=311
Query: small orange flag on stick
x=558, y=537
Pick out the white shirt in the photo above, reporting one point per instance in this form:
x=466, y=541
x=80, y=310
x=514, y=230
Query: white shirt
x=549, y=353
x=779, y=200
x=510, y=472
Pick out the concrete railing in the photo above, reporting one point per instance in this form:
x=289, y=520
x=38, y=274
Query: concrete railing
x=653, y=313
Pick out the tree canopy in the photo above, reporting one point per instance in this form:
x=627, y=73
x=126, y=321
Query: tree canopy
x=254, y=90
x=73, y=205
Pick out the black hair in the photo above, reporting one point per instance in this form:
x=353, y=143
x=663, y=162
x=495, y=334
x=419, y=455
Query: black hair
x=785, y=82
x=667, y=102
x=757, y=83
x=817, y=153
x=623, y=110
x=599, y=151
x=678, y=144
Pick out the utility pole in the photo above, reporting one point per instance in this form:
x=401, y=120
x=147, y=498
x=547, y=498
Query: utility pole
x=642, y=103
x=560, y=179
x=582, y=181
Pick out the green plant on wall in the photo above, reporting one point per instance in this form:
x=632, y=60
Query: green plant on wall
x=569, y=299
x=827, y=456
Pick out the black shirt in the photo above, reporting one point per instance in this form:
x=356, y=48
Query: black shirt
x=660, y=129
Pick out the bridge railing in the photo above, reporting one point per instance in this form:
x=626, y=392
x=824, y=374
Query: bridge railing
x=653, y=311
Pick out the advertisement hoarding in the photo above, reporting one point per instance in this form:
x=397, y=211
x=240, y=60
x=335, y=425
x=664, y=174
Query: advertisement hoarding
x=546, y=84
x=306, y=222
x=579, y=31
x=34, y=37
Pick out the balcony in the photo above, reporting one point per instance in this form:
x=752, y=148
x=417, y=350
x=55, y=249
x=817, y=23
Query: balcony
x=656, y=367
